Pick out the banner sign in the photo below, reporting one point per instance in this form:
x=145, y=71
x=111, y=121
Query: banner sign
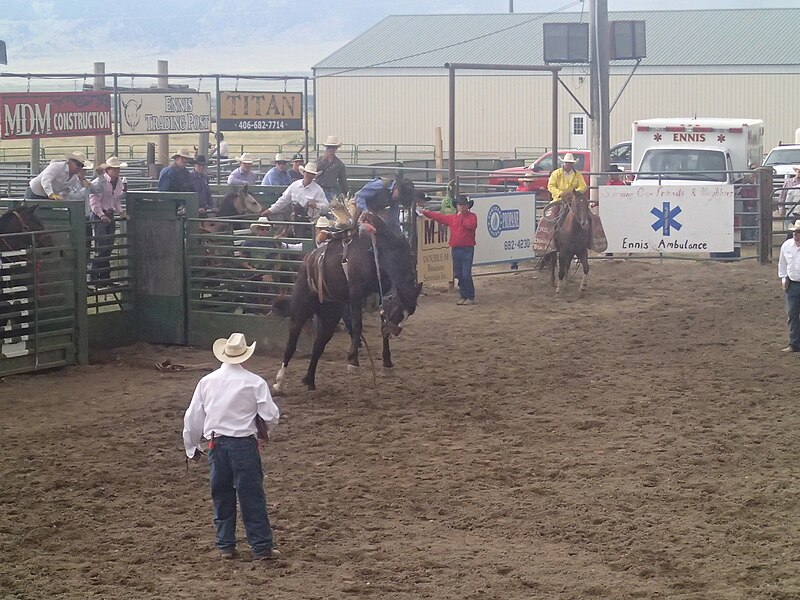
x=434, y=259
x=506, y=226
x=54, y=114
x=669, y=218
x=261, y=111
x=159, y=112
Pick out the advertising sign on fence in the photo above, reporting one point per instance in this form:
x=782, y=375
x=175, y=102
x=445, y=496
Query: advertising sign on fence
x=261, y=111
x=506, y=225
x=158, y=112
x=434, y=260
x=61, y=114
x=669, y=218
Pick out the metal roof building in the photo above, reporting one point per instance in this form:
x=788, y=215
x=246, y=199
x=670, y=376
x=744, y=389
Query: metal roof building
x=389, y=85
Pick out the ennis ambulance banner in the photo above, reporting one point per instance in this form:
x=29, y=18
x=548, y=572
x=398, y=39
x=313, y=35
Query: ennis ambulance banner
x=434, y=260
x=670, y=218
x=58, y=114
x=261, y=111
x=506, y=224
x=157, y=112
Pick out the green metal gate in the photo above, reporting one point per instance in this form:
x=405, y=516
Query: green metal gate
x=41, y=324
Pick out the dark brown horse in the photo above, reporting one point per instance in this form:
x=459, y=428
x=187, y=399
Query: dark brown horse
x=24, y=223
x=323, y=268
x=571, y=239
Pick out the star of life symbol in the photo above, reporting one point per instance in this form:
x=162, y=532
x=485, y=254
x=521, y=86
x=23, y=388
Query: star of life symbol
x=721, y=138
x=665, y=218
x=657, y=137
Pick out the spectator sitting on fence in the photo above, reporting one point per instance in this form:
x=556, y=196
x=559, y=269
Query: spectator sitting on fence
x=58, y=178
x=223, y=147
x=615, y=175
x=175, y=178
x=199, y=181
x=105, y=201
x=296, y=172
x=331, y=172
x=244, y=173
x=789, y=200
x=278, y=175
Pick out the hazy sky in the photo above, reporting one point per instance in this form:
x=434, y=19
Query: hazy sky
x=229, y=36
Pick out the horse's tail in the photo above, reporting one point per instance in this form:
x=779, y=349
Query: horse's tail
x=548, y=260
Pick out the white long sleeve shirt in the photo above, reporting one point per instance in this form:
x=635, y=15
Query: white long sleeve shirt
x=226, y=402
x=789, y=261
x=55, y=179
x=300, y=194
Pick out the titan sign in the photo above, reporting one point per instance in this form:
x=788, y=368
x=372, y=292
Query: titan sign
x=157, y=112
x=261, y=111
x=54, y=114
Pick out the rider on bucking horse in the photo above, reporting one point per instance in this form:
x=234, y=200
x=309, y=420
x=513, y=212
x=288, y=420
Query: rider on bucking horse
x=564, y=179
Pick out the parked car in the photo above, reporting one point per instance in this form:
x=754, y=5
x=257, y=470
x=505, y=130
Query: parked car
x=783, y=160
x=539, y=171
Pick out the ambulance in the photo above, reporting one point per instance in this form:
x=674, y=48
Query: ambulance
x=685, y=151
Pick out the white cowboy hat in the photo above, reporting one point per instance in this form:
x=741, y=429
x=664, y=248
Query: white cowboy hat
x=88, y=166
x=184, y=152
x=309, y=168
x=332, y=141
x=281, y=158
x=77, y=156
x=234, y=350
x=114, y=163
x=262, y=223
x=568, y=158
x=246, y=158
x=323, y=222
x=796, y=226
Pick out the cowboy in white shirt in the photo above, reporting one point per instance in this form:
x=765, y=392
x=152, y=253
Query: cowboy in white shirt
x=789, y=274
x=305, y=193
x=225, y=409
x=59, y=178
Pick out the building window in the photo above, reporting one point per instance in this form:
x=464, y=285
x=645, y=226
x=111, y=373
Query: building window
x=577, y=125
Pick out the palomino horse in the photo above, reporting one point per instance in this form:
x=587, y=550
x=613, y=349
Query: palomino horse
x=323, y=288
x=572, y=238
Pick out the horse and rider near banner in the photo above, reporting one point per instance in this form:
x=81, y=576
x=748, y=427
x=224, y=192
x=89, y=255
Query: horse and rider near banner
x=366, y=259
x=572, y=238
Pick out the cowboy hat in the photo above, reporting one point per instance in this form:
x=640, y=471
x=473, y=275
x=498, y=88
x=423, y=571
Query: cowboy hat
x=234, y=350
x=200, y=159
x=323, y=222
x=568, y=158
x=297, y=157
x=796, y=226
x=246, y=158
x=184, y=152
x=89, y=165
x=78, y=157
x=114, y=163
x=280, y=158
x=310, y=168
x=332, y=141
x=262, y=223
x=462, y=199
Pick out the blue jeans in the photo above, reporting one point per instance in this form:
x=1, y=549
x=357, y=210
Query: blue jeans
x=462, y=270
x=793, y=311
x=103, y=246
x=236, y=471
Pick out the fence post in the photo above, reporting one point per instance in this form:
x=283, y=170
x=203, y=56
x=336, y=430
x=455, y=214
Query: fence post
x=77, y=222
x=765, y=215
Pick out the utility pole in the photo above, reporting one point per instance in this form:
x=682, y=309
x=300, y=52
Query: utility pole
x=598, y=77
x=163, y=138
x=99, y=140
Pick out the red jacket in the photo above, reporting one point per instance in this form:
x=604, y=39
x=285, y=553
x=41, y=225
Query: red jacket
x=462, y=227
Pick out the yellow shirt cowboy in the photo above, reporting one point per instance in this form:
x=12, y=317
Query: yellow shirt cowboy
x=565, y=179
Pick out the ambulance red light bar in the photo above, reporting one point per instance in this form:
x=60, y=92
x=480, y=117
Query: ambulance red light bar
x=642, y=128
x=703, y=129
x=735, y=130
x=680, y=128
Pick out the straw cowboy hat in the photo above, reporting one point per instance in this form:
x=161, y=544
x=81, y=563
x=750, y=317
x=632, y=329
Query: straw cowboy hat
x=184, y=152
x=262, y=223
x=310, y=168
x=78, y=157
x=114, y=163
x=568, y=158
x=234, y=350
x=323, y=222
x=796, y=226
x=246, y=158
x=280, y=158
x=332, y=141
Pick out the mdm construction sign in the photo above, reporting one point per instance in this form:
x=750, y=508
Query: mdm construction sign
x=54, y=114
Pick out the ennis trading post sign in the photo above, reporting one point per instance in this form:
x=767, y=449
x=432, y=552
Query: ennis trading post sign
x=61, y=114
x=261, y=111
x=156, y=112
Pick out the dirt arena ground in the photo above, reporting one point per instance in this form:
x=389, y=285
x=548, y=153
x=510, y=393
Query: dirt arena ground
x=637, y=442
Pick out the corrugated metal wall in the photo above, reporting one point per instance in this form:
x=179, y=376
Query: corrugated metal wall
x=496, y=114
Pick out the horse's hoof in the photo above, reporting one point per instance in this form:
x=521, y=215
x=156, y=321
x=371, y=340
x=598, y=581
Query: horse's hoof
x=389, y=366
x=311, y=387
x=277, y=389
x=353, y=368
